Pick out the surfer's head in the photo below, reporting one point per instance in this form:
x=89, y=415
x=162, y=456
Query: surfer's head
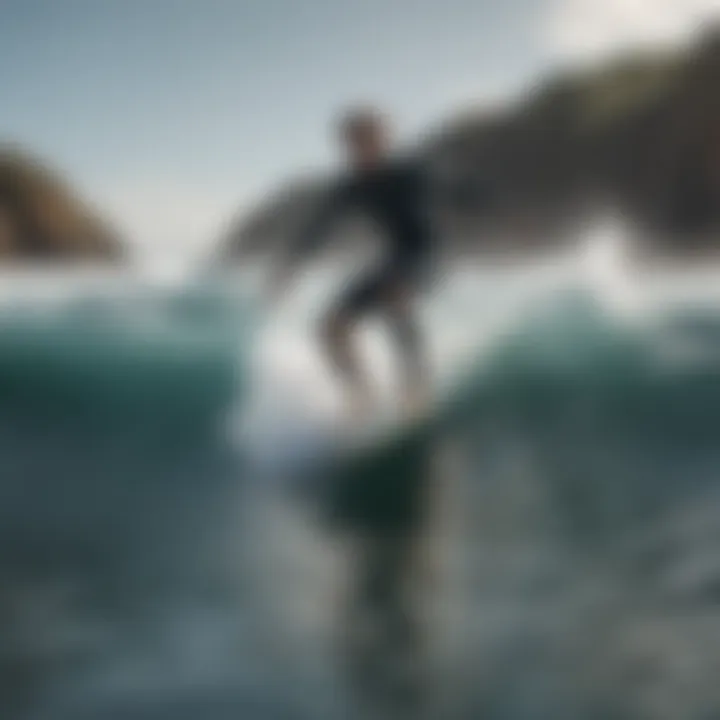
x=365, y=136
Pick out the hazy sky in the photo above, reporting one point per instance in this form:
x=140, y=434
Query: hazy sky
x=174, y=113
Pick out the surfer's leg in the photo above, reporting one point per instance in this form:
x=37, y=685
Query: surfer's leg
x=405, y=328
x=338, y=330
x=337, y=342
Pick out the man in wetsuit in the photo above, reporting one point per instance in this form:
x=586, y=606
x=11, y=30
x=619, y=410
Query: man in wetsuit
x=393, y=193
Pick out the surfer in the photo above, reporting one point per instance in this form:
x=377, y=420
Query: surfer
x=392, y=191
x=381, y=629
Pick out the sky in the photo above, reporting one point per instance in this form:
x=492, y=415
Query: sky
x=174, y=115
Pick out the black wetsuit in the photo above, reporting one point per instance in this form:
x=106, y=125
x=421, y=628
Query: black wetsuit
x=395, y=197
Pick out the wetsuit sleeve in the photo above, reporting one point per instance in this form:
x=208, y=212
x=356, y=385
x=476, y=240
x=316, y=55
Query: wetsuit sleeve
x=316, y=229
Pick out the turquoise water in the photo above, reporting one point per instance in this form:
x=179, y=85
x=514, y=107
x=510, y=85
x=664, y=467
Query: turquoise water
x=157, y=563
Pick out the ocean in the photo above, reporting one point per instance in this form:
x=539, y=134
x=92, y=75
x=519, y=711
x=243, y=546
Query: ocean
x=163, y=550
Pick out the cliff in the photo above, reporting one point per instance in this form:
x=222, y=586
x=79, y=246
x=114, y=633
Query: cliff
x=43, y=219
x=640, y=135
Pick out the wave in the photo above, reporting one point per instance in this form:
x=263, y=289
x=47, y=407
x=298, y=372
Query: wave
x=112, y=411
x=586, y=501
x=152, y=360
x=585, y=511
x=618, y=417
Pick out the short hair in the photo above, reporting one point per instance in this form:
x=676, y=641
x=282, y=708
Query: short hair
x=359, y=121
